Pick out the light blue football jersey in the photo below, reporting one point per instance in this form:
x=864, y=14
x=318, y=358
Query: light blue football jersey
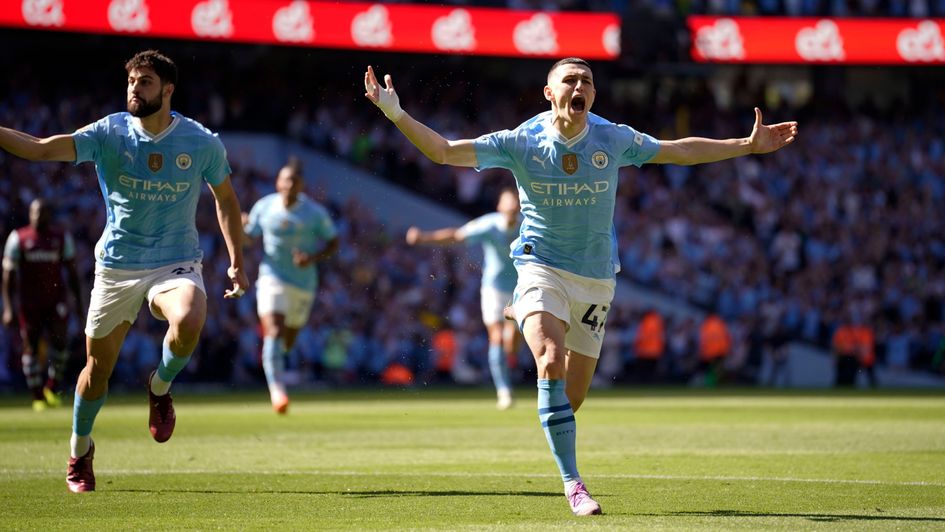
x=567, y=188
x=151, y=184
x=498, y=270
x=306, y=226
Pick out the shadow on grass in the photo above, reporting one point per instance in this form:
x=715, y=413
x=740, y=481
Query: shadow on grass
x=348, y=493
x=820, y=518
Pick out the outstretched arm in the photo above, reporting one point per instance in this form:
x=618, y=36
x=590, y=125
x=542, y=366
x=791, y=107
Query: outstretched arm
x=55, y=148
x=431, y=143
x=696, y=150
x=228, y=216
x=447, y=235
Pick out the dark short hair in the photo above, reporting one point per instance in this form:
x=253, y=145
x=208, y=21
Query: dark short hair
x=568, y=61
x=294, y=163
x=162, y=65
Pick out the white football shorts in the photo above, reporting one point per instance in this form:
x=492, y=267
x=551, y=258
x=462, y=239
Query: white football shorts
x=580, y=302
x=117, y=294
x=492, y=302
x=276, y=297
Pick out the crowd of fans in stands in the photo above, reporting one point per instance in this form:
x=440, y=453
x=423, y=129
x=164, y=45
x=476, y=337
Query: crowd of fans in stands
x=844, y=226
x=790, y=8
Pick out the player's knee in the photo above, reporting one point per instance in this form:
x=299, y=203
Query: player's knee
x=552, y=362
x=97, y=373
x=187, y=328
x=274, y=330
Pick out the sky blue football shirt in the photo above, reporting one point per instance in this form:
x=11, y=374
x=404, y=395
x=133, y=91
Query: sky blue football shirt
x=567, y=188
x=306, y=226
x=151, y=185
x=489, y=230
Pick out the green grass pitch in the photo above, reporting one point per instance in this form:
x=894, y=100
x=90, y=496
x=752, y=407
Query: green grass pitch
x=446, y=459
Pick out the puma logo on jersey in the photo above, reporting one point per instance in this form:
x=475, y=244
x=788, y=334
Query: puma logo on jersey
x=131, y=158
x=540, y=161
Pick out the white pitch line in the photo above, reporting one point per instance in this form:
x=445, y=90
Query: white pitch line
x=628, y=476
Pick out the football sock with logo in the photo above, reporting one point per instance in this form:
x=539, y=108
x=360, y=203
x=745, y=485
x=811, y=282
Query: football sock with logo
x=499, y=367
x=169, y=367
x=557, y=420
x=273, y=359
x=83, y=417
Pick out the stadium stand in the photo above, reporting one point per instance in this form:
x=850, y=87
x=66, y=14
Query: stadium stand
x=846, y=223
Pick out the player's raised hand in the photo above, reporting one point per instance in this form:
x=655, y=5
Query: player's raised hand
x=240, y=283
x=384, y=97
x=413, y=235
x=766, y=139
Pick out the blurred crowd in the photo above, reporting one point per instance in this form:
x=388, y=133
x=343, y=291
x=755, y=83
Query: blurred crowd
x=840, y=229
x=843, y=227
x=790, y=8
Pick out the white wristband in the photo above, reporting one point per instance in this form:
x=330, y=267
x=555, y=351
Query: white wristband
x=395, y=113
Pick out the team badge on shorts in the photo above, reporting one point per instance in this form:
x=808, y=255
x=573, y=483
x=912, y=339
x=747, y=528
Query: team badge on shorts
x=183, y=161
x=599, y=160
x=155, y=161
x=569, y=163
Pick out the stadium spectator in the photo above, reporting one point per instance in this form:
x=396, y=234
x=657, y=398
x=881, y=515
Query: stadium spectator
x=495, y=232
x=297, y=233
x=34, y=260
x=648, y=346
x=715, y=346
x=566, y=252
x=865, y=342
x=845, y=355
x=849, y=181
x=149, y=249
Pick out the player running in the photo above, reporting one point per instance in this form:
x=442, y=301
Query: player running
x=150, y=163
x=297, y=234
x=495, y=232
x=34, y=259
x=565, y=163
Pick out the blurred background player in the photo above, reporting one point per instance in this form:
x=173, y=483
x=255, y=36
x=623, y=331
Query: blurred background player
x=150, y=163
x=297, y=233
x=33, y=262
x=565, y=162
x=495, y=231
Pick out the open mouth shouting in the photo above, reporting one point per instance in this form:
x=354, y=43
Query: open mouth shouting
x=578, y=104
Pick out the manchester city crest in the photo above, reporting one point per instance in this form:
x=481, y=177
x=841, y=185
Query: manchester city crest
x=184, y=161
x=599, y=160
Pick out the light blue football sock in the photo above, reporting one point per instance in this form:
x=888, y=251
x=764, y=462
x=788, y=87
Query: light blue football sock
x=499, y=367
x=84, y=412
x=169, y=367
x=557, y=420
x=273, y=360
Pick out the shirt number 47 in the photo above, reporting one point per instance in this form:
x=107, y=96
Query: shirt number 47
x=594, y=319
